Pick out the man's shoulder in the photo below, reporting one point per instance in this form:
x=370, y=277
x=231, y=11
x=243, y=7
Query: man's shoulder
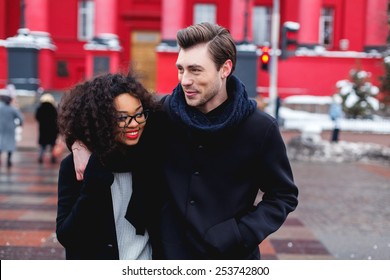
x=261, y=116
x=259, y=122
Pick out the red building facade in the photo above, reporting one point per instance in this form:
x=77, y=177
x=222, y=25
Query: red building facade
x=78, y=39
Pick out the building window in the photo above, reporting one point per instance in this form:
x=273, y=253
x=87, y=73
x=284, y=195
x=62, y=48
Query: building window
x=62, y=69
x=261, y=25
x=101, y=65
x=86, y=17
x=326, y=27
x=205, y=13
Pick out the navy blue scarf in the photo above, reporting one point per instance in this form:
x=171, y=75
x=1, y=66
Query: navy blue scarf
x=237, y=108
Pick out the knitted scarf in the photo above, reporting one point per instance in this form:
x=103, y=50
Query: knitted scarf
x=237, y=107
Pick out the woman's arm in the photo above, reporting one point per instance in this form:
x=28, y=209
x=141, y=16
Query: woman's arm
x=82, y=205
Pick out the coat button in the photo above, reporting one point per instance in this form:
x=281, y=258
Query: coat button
x=192, y=202
x=200, y=147
x=196, y=173
x=110, y=245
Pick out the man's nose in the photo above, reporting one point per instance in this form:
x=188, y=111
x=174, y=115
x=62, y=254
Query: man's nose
x=186, y=79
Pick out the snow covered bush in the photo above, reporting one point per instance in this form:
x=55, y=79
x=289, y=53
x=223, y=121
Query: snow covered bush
x=358, y=95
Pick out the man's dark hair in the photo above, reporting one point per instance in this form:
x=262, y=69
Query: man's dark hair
x=219, y=40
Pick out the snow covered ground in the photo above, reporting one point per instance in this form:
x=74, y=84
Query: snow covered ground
x=302, y=120
x=309, y=146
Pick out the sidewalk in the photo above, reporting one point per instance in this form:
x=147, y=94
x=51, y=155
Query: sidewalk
x=28, y=196
x=28, y=203
x=342, y=213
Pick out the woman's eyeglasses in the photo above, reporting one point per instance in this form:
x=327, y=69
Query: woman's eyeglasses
x=124, y=120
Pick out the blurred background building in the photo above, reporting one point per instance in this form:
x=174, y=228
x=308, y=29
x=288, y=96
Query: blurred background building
x=53, y=44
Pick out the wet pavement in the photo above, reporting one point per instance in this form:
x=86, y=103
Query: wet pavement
x=343, y=212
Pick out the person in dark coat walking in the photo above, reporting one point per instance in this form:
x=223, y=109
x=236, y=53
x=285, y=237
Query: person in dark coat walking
x=229, y=181
x=46, y=115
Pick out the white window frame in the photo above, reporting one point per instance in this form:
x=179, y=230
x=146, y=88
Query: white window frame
x=261, y=25
x=205, y=13
x=86, y=20
x=326, y=33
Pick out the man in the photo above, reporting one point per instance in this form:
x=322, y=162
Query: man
x=220, y=151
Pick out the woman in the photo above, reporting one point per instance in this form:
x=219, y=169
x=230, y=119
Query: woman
x=46, y=115
x=104, y=216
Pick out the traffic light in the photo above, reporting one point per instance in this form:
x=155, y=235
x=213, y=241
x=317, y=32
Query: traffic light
x=264, y=58
x=288, y=27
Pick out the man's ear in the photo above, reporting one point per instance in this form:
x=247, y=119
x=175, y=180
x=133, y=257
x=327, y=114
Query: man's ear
x=226, y=69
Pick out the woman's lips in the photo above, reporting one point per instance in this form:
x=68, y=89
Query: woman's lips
x=132, y=134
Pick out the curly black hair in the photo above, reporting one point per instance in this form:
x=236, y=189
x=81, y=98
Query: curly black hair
x=87, y=112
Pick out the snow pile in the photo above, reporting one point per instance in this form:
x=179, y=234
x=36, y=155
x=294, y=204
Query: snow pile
x=298, y=120
x=304, y=148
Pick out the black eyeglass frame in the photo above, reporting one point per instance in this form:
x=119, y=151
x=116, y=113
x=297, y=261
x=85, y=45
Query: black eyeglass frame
x=145, y=113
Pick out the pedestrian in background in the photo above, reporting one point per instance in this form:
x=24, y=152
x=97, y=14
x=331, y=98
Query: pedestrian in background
x=46, y=115
x=10, y=118
x=335, y=113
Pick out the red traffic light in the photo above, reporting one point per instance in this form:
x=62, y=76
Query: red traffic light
x=265, y=57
